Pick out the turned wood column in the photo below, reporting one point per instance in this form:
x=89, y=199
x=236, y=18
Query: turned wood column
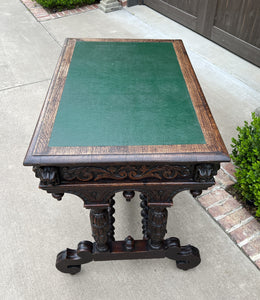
x=144, y=214
x=157, y=222
x=111, y=212
x=99, y=219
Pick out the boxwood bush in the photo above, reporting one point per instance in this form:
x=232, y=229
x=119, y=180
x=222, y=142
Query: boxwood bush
x=246, y=157
x=62, y=4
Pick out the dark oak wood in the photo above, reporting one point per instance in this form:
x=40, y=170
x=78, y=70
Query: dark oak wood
x=70, y=261
x=144, y=214
x=99, y=219
x=156, y=226
x=40, y=153
x=128, y=195
x=111, y=212
x=95, y=174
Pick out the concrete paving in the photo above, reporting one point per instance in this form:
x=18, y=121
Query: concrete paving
x=35, y=227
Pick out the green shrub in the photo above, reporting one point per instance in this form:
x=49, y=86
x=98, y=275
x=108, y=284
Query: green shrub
x=61, y=4
x=246, y=157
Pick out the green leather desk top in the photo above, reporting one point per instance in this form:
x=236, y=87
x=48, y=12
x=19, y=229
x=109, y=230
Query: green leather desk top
x=121, y=94
x=121, y=101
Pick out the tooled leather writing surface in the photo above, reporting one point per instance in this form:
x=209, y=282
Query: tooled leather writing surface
x=119, y=94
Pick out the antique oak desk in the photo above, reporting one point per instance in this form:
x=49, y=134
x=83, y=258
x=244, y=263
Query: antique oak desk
x=125, y=115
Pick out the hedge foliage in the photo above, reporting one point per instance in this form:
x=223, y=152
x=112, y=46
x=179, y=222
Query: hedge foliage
x=62, y=4
x=246, y=157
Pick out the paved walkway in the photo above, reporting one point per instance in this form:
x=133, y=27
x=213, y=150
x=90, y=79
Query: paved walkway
x=34, y=227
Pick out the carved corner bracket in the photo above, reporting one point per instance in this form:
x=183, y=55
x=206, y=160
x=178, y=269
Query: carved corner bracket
x=205, y=172
x=47, y=175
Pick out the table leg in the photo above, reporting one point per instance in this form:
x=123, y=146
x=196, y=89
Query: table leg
x=99, y=219
x=157, y=221
x=105, y=247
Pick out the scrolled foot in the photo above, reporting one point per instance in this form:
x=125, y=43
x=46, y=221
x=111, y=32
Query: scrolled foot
x=187, y=257
x=172, y=247
x=70, y=260
x=85, y=251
